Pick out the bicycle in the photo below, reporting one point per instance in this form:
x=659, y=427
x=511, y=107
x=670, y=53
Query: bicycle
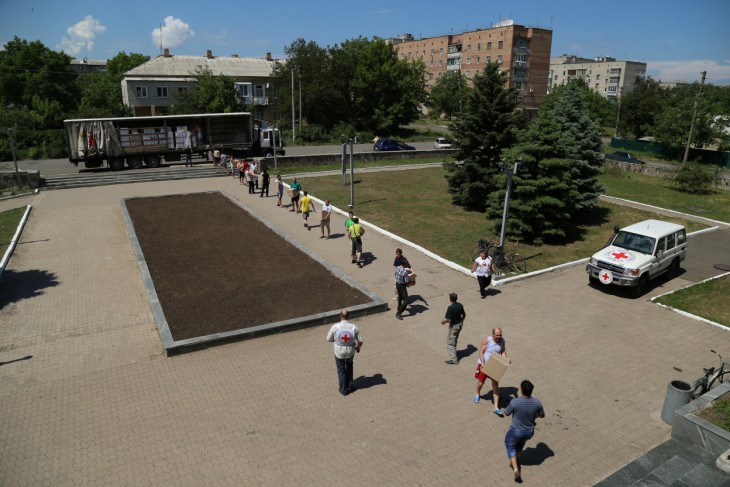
x=506, y=259
x=484, y=244
x=713, y=376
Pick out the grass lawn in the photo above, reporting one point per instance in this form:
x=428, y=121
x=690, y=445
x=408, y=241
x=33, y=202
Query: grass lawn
x=708, y=299
x=660, y=192
x=416, y=205
x=9, y=221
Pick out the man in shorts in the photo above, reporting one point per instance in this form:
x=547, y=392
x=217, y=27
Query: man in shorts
x=296, y=188
x=524, y=410
x=325, y=214
x=307, y=206
x=356, y=233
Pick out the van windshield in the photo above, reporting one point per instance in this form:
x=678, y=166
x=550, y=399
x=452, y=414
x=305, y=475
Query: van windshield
x=633, y=241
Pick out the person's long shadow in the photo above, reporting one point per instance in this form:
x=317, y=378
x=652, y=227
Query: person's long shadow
x=536, y=455
x=17, y=286
x=462, y=354
x=506, y=394
x=363, y=382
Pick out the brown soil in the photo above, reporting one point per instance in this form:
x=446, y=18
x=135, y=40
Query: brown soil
x=216, y=268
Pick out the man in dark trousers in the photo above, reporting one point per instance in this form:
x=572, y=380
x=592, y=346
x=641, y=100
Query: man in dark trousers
x=455, y=319
x=265, y=180
x=402, y=278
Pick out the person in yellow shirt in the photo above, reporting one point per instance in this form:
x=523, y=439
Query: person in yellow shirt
x=307, y=206
x=356, y=233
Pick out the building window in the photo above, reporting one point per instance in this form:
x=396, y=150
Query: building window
x=182, y=89
x=500, y=45
x=468, y=60
x=162, y=92
x=432, y=52
x=477, y=59
x=141, y=92
x=488, y=59
x=489, y=46
x=430, y=75
x=441, y=50
x=521, y=58
x=479, y=46
x=468, y=47
x=440, y=63
x=468, y=74
x=519, y=85
x=499, y=59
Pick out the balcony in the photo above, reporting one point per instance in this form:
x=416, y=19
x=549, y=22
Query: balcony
x=521, y=64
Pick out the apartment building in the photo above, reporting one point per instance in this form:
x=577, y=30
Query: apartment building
x=149, y=89
x=524, y=52
x=604, y=75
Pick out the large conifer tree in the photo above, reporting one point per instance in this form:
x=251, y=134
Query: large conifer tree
x=487, y=126
x=556, y=185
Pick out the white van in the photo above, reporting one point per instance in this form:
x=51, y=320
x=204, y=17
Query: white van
x=638, y=253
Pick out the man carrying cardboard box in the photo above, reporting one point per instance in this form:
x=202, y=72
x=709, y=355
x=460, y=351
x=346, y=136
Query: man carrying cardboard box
x=494, y=371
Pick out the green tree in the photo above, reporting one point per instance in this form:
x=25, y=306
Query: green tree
x=102, y=92
x=556, y=185
x=599, y=108
x=212, y=94
x=448, y=94
x=640, y=108
x=487, y=127
x=30, y=69
x=386, y=91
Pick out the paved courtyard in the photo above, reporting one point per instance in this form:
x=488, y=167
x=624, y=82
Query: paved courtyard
x=100, y=404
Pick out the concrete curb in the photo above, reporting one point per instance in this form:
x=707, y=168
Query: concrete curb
x=14, y=241
x=690, y=315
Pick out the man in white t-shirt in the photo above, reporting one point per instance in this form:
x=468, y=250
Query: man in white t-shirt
x=325, y=214
x=348, y=341
x=484, y=267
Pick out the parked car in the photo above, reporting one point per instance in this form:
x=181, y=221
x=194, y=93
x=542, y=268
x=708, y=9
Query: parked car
x=391, y=145
x=638, y=253
x=442, y=143
x=624, y=157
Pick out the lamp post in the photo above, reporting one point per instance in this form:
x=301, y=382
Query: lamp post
x=509, y=173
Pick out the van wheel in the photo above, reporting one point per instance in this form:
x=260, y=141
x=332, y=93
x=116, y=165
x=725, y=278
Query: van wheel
x=674, y=268
x=640, y=288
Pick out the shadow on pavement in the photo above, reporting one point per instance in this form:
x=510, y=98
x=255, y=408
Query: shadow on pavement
x=363, y=382
x=17, y=286
x=536, y=455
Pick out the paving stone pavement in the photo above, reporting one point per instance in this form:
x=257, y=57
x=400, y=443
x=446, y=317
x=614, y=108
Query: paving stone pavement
x=100, y=404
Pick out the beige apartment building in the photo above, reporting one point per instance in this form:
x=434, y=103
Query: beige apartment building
x=524, y=52
x=604, y=75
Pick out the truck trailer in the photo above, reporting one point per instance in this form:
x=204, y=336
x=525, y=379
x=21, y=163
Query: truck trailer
x=146, y=140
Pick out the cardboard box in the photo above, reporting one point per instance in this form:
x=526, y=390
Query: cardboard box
x=496, y=366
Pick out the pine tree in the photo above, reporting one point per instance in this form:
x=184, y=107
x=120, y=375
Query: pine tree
x=556, y=183
x=487, y=126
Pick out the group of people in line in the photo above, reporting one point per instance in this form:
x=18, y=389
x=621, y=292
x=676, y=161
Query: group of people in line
x=524, y=408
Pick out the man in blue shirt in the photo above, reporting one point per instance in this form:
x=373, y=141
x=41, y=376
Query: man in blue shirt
x=525, y=411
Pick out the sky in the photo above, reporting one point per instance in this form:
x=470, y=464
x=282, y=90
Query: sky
x=678, y=39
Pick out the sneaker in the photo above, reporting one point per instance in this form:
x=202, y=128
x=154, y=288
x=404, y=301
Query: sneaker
x=397, y=315
x=452, y=362
x=499, y=413
x=359, y=264
x=476, y=399
x=354, y=261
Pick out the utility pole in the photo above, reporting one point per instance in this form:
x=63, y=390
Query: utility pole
x=300, y=101
x=694, y=117
x=618, y=110
x=293, y=117
x=510, y=173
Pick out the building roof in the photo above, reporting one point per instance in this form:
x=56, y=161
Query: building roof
x=182, y=66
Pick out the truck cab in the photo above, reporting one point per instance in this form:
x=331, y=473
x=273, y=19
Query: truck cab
x=638, y=253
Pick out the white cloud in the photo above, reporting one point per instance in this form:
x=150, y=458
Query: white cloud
x=81, y=36
x=174, y=33
x=690, y=71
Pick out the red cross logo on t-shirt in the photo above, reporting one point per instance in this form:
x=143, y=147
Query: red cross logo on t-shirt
x=345, y=337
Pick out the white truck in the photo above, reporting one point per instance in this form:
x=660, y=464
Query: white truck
x=638, y=253
x=146, y=140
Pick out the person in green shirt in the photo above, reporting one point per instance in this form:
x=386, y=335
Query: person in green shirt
x=356, y=233
x=296, y=188
x=348, y=224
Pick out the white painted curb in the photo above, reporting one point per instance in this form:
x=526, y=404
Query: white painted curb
x=14, y=241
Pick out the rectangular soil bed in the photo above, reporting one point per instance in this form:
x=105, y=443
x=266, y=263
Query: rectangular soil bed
x=216, y=269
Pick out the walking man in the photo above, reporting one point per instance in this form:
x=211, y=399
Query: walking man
x=307, y=206
x=484, y=267
x=348, y=223
x=455, y=319
x=265, y=180
x=524, y=410
x=356, y=233
x=325, y=213
x=295, y=188
x=348, y=341
x=279, y=189
x=401, y=285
